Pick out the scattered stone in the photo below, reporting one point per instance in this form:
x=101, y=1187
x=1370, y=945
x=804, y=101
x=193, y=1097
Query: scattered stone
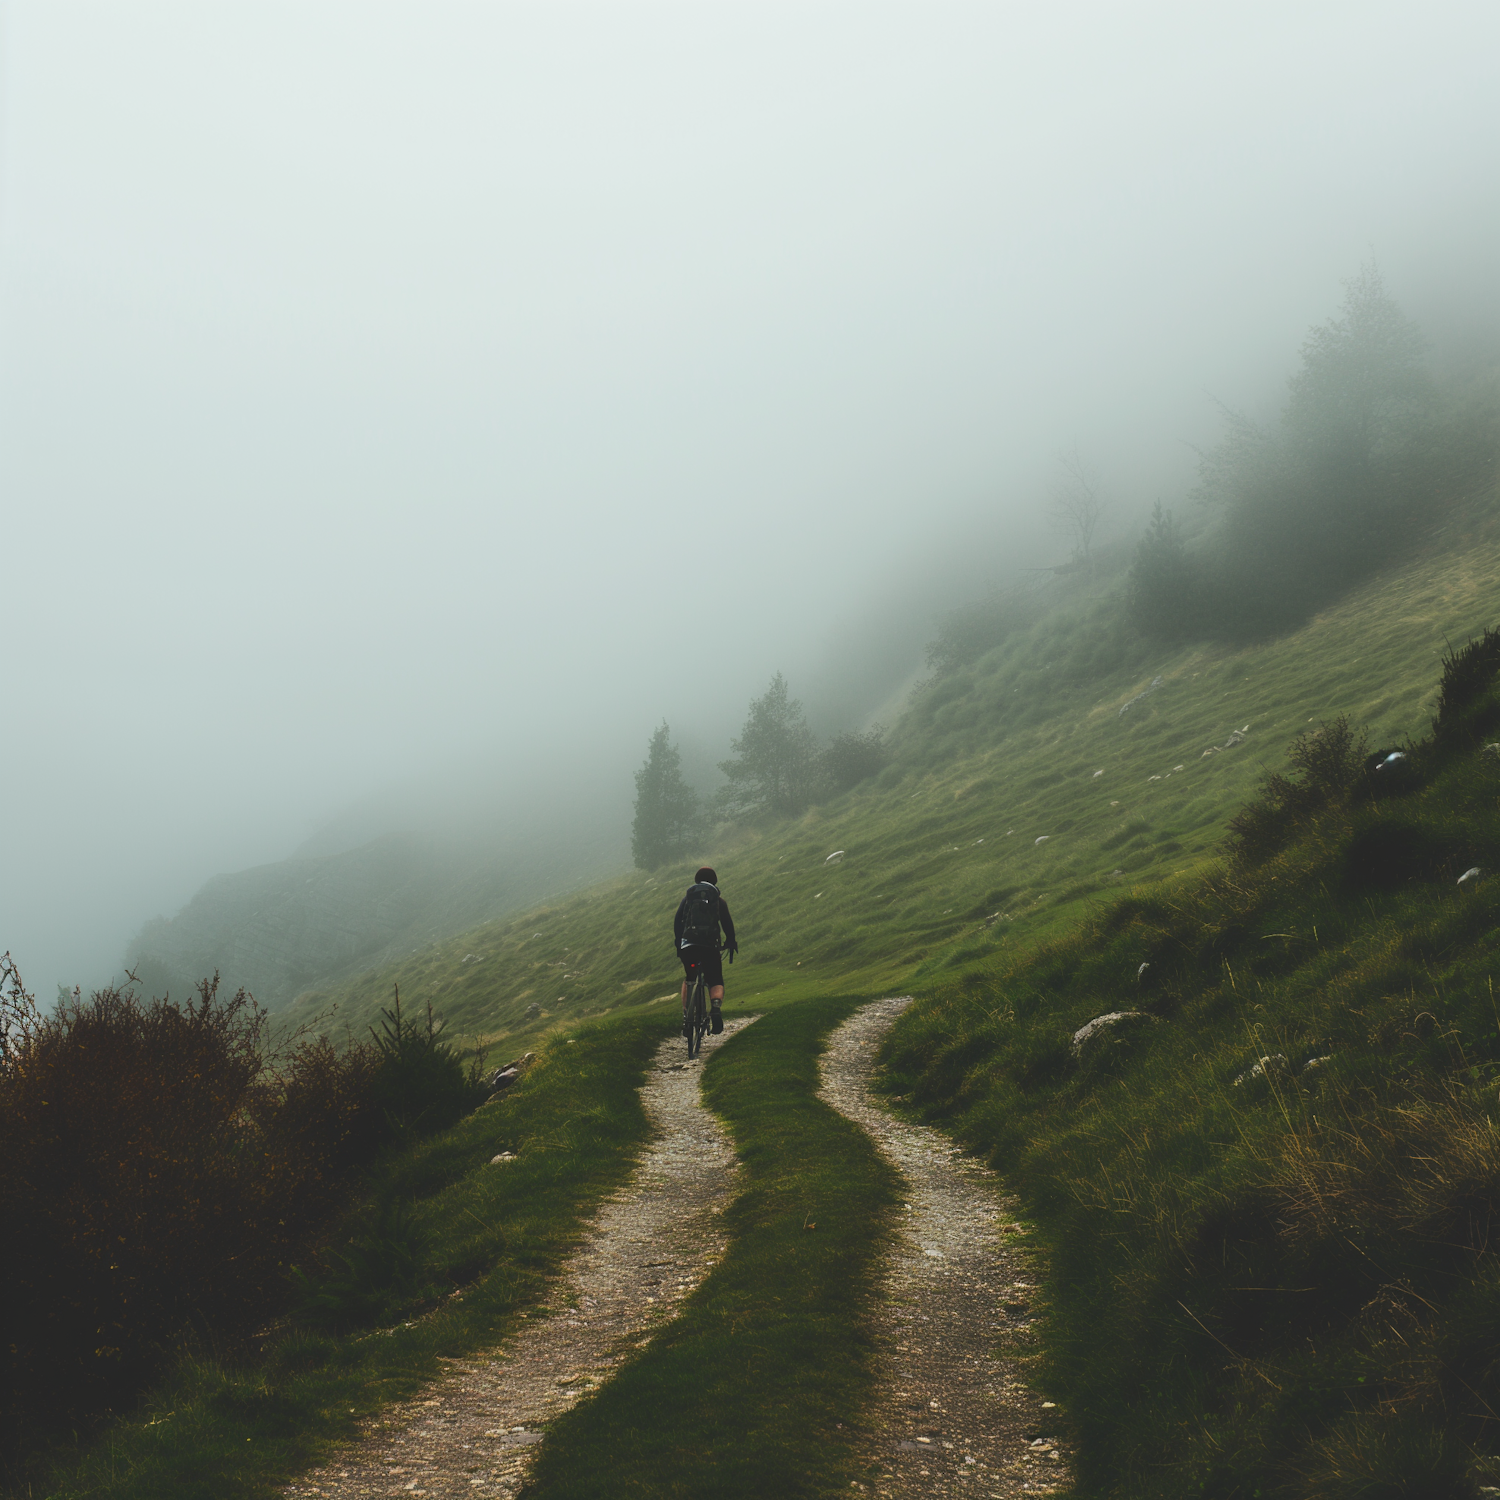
x=1495, y=751
x=1140, y=973
x=1085, y=1034
x=1275, y=1062
x=1237, y=737
x=502, y=1078
x=835, y=857
x=1042, y=840
x=1472, y=873
x=1096, y=775
x=532, y=1011
x=1146, y=693
x=504, y=1156
x=1313, y=1063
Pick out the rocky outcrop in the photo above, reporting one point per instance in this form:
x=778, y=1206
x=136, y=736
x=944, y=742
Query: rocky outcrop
x=1107, y=1025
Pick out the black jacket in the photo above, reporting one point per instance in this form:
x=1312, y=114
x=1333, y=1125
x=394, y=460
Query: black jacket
x=725, y=921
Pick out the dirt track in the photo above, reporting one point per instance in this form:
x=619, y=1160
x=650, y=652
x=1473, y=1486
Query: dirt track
x=953, y=1415
x=472, y=1433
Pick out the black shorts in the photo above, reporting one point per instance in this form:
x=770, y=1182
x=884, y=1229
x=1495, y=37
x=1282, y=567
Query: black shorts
x=711, y=959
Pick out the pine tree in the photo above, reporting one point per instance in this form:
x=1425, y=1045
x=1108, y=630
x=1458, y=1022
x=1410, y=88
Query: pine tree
x=777, y=764
x=667, y=814
x=1162, y=583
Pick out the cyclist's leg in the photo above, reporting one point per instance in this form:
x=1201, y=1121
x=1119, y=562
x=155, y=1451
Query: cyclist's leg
x=716, y=992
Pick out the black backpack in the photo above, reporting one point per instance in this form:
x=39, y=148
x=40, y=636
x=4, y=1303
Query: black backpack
x=700, y=917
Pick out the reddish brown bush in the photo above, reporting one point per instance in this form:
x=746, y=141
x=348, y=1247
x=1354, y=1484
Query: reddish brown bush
x=158, y=1171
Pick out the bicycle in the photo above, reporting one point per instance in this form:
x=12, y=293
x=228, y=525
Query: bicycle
x=697, y=1011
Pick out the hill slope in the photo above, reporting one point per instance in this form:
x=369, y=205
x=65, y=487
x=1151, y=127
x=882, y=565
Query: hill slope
x=941, y=863
x=281, y=928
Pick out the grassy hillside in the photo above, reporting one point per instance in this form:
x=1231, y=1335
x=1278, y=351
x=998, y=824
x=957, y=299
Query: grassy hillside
x=1272, y=1194
x=941, y=868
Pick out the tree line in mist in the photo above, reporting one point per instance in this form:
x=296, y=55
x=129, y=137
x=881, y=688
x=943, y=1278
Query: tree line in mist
x=1287, y=516
x=1366, y=443
x=778, y=766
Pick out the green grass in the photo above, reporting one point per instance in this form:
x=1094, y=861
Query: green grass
x=743, y=1394
x=1278, y=1286
x=488, y=1238
x=1003, y=753
x=1166, y=1192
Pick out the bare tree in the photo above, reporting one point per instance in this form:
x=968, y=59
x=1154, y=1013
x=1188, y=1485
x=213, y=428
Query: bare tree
x=1075, y=506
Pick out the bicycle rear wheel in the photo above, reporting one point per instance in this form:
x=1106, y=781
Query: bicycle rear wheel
x=697, y=1014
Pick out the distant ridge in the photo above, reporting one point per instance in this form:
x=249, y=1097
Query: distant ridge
x=283, y=928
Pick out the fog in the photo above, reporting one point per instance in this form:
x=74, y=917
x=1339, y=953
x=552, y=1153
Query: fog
x=401, y=398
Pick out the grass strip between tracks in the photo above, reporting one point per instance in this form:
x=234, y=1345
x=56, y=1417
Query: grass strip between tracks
x=744, y=1393
x=221, y=1430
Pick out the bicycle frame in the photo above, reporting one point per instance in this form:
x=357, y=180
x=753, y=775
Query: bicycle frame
x=697, y=1010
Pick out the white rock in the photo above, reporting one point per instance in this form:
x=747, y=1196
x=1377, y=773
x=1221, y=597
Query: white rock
x=1472, y=873
x=1042, y=840
x=1275, y=1062
x=1085, y=1034
x=1140, y=973
x=835, y=857
x=1097, y=775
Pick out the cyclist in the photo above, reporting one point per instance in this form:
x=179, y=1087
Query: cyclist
x=695, y=935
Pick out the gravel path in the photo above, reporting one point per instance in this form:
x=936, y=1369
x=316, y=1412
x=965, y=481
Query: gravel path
x=473, y=1432
x=953, y=1415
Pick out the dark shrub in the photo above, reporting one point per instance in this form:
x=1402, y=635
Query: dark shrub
x=1332, y=763
x=159, y=1169
x=1467, y=703
x=421, y=1083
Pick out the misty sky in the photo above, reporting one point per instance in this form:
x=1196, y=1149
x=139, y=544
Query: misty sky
x=385, y=388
